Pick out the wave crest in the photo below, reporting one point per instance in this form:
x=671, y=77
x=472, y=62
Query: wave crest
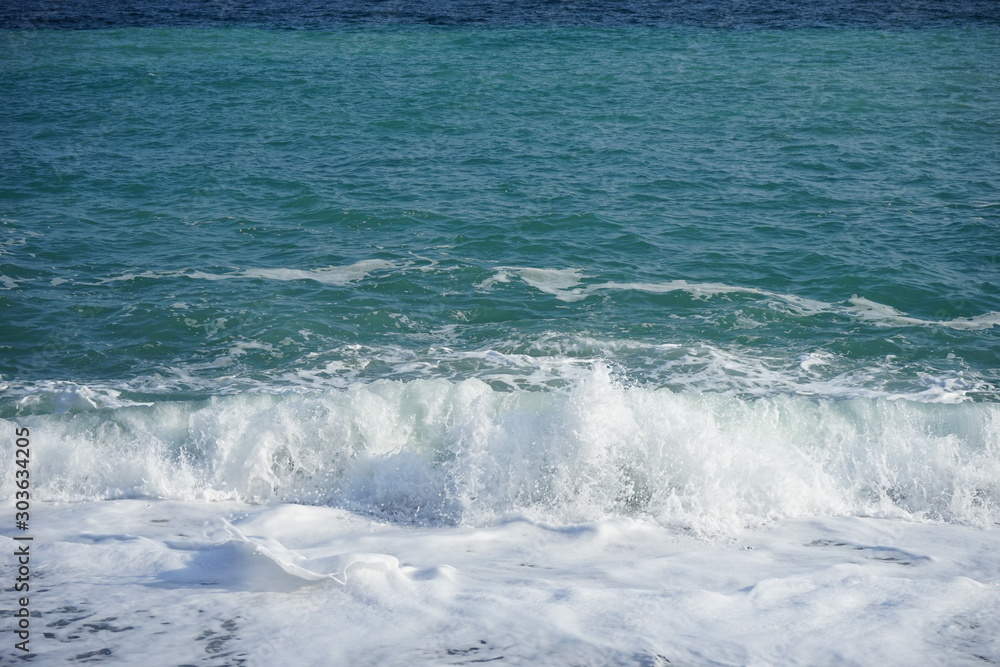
x=436, y=451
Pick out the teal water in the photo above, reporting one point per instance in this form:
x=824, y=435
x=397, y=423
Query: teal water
x=710, y=276
x=179, y=206
x=433, y=345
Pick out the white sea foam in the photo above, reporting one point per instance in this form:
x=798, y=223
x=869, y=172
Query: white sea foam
x=984, y=321
x=501, y=276
x=889, y=316
x=565, y=285
x=568, y=285
x=696, y=290
x=542, y=362
x=434, y=451
x=557, y=282
x=68, y=397
x=331, y=275
x=808, y=361
x=167, y=582
x=313, y=568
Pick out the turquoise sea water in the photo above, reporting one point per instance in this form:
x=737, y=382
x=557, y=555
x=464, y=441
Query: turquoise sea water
x=804, y=221
x=201, y=207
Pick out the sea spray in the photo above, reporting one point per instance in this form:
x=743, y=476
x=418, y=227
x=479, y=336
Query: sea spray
x=435, y=451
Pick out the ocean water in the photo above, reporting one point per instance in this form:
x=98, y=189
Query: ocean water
x=536, y=335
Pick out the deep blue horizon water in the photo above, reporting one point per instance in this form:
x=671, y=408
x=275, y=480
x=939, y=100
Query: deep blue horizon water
x=320, y=14
x=785, y=223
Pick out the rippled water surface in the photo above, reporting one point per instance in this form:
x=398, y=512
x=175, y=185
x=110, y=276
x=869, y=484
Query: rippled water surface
x=649, y=254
